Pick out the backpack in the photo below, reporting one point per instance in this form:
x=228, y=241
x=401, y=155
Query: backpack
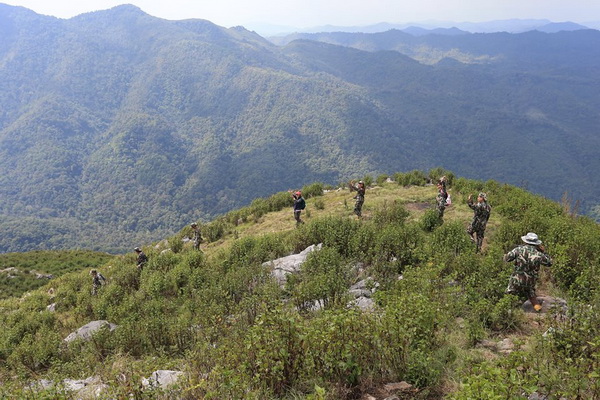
x=301, y=204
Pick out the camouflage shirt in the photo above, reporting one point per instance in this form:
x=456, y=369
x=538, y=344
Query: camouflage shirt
x=480, y=217
x=528, y=259
x=360, y=196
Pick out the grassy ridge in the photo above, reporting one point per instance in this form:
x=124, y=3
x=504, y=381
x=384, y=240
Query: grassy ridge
x=219, y=316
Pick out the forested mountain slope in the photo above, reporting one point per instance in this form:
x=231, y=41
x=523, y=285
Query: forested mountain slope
x=118, y=128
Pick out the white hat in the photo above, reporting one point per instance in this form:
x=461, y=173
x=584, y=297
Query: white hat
x=531, y=238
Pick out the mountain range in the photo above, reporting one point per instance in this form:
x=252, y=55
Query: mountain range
x=508, y=25
x=118, y=128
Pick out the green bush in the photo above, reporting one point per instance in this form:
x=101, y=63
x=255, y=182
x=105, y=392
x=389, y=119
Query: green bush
x=319, y=204
x=312, y=190
x=324, y=278
x=415, y=178
x=430, y=220
x=332, y=231
x=394, y=213
x=381, y=179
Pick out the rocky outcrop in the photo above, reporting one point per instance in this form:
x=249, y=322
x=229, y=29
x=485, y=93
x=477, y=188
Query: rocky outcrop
x=361, y=294
x=87, y=331
x=282, y=267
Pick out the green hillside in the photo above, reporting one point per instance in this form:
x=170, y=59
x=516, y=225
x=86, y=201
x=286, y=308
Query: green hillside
x=220, y=318
x=118, y=128
x=22, y=272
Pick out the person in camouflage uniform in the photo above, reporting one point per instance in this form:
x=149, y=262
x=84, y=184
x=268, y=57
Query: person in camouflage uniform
x=359, y=188
x=441, y=198
x=481, y=216
x=196, y=236
x=528, y=258
x=142, y=259
x=97, y=280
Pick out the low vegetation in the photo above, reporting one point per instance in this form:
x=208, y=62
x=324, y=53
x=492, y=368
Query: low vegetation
x=23, y=272
x=220, y=317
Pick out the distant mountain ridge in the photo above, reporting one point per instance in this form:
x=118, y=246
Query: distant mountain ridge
x=118, y=128
x=435, y=27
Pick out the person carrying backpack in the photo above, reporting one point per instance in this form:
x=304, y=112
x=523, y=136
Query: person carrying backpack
x=97, y=280
x=299, y=205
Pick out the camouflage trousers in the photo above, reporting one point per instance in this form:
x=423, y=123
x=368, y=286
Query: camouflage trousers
x=440, y=210
x=358, y=206
x=479, y=233
x=95, y=288
x=522, y=285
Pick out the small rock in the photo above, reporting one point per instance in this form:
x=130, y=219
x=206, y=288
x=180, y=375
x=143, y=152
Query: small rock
x=398, y=387
x=364, y=303
x=505, y=346
x=162, y=379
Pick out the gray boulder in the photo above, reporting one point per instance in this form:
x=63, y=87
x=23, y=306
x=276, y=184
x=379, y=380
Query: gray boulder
x=282, y=267
x=87, y=331
x=548, y=304
x=162, y=379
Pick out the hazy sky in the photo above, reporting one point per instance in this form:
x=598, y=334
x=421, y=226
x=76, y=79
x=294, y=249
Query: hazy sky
x=310, y=13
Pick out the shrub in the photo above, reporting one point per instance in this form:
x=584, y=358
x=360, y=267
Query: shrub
x=332, y=231
x=394, y=213
x=319, y=204
x=339, y=345
x=323, y=278
x=450, y=240
x=312, y=190
x=430, y=220
x=416, y=178
x=214, y=230
x=275, y=351
x=398, y=245
x=381, y=179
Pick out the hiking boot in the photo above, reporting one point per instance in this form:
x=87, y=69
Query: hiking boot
x=537, y=307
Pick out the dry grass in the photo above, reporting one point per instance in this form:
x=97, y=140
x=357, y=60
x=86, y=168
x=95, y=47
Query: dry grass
x=340, y=203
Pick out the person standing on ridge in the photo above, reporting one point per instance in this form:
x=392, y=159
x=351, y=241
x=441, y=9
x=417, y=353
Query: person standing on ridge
x=442, y=197
x=481, y=215
x=142, y=259
x=299, y=205
x=196, y=237
x=528, y=258
x=359, y=188
x=97, y=280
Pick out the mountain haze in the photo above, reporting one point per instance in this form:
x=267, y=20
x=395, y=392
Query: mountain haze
x=118, y=128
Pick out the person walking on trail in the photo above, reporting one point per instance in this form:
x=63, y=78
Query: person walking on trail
x=196, y=236
x=359, y=188
x=481, y=215
x=441, y=198
x=527, y=258
x=142, y=259
x=299, y=205
x=97, y=280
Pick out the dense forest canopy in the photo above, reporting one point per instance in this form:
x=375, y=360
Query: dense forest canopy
x=118, y=128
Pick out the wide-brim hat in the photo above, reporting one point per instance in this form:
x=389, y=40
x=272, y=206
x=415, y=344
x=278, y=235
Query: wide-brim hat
x=531, y=238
